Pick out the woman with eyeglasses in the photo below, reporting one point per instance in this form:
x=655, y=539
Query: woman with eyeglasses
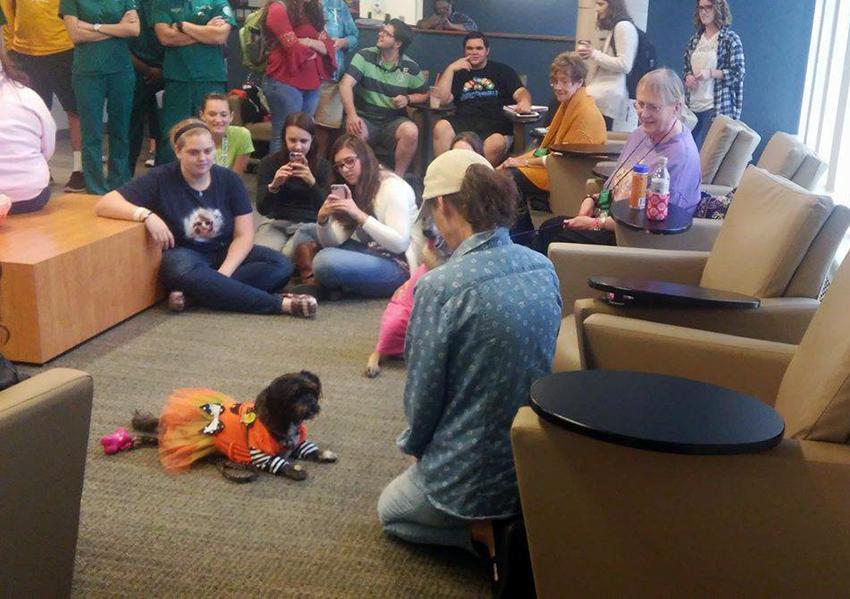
x=302, y=56
x=606, y=79
x=714, y=66
x=659, y=104
x=577, y=121
x=366, y=229
x=200, y=215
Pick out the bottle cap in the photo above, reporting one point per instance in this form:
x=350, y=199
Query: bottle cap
x=640, y=169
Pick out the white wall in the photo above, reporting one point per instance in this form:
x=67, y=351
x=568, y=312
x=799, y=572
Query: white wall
x=586, y=23
x=410, y=10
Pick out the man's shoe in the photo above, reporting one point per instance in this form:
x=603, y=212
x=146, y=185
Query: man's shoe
x=76, y=184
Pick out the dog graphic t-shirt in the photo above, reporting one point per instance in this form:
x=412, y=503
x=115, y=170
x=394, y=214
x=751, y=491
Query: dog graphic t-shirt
x=199, y=220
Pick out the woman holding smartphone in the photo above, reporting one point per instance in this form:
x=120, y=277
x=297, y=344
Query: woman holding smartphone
x=292, y=185
x=365, y=228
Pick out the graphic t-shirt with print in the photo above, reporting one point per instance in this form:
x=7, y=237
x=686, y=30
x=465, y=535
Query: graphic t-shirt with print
x=481, y=94
x=199, y=220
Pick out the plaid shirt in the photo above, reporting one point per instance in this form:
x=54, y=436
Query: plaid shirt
x=729, y=91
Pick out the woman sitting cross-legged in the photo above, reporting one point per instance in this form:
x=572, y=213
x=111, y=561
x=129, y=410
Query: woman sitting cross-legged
x=200, y=214
x=577, y=121
x=291, y=187
x=366, y=230
x=660, y=98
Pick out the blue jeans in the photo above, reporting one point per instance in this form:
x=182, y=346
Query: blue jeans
x=354, y=269
x=704, y=120
x=406, y=513
x=249, y=289
x=283, y=101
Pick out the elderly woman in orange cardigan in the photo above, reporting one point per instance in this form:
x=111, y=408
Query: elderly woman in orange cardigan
x=577, y=121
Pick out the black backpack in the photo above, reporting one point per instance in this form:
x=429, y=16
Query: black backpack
x=645, y=60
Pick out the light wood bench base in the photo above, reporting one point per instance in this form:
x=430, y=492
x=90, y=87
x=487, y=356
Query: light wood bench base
x=68, y=275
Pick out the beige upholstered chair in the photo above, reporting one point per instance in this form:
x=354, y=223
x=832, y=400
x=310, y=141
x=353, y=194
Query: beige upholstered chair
x=725, y=154
x=785, y=155
x=44, y=429
x=606, y=520
x=777, y=245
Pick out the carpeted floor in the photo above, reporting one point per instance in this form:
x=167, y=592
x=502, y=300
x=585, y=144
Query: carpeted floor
x=144, y=532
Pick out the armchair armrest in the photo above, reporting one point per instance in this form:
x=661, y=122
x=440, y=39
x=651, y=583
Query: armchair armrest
x=700, y=237
x=576, y=263
x=608, y=520
x=782, y=319
x=44, y=429
x=619, y=343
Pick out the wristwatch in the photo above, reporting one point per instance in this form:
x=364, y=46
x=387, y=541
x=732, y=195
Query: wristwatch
x=179, y=26
x=96, y=27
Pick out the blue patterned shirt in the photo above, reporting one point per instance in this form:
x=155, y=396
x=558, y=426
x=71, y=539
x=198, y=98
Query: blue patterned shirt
x=483, y=328
x=340, y=24
x=729, y=91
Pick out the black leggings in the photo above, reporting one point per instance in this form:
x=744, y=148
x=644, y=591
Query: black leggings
x=31, y=205
x=553, y=231
x=523, y=230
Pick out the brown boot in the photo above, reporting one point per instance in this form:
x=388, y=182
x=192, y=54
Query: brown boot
x=303, y=259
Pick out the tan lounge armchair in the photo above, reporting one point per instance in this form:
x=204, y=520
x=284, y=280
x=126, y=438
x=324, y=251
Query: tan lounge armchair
x=605, y=520
x=778, y=245
x=44, y=429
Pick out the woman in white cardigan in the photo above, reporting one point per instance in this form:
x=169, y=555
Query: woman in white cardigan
x=369, y=238
x=606, y=79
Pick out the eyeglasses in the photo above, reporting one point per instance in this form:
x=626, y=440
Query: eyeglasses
x=648, y=108
x=386, y=33
x=703, y=8
x=346, y=163
x=563, y=83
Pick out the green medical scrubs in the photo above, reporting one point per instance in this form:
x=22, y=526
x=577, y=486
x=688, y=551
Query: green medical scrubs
x=103, y=73
x=190, y=72
x=147, y=49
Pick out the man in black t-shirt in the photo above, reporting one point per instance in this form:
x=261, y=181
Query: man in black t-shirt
x=480, y=88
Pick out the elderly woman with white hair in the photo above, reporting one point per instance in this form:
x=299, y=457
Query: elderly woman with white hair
x=659, y=104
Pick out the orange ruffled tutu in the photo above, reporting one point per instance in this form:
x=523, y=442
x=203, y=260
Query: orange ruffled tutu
x=181, y=438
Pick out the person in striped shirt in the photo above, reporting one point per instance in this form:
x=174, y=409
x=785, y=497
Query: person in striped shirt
x=380, y=83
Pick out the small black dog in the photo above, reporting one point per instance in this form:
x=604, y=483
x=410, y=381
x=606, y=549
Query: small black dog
x=264, y=434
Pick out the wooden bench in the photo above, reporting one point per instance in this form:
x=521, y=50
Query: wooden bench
x=68, y=275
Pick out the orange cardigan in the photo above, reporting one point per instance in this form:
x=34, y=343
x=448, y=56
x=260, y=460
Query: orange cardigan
x=578, y=121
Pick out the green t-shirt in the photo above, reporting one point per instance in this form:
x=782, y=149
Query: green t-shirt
x=146, y=47
x=378, y=83
x=196, y=62
x=106, y=56
x=238, y=141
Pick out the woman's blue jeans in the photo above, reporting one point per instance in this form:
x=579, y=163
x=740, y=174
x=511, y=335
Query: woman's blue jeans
x=284, y=100
x=704, y=120
x=353, y=268
x=251, y=288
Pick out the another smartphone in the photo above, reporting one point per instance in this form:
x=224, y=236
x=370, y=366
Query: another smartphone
x=297, y=157
x=340, y=190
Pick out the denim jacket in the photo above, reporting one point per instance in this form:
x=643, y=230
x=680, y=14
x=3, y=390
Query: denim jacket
x=483, y=328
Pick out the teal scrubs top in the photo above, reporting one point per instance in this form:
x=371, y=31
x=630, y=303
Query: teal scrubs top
x=196, y=62
x=146, y=47
x=106, y=56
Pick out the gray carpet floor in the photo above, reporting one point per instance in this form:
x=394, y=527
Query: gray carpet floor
x=145, y=532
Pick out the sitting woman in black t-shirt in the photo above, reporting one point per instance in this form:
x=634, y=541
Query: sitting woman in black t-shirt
x=200, y=215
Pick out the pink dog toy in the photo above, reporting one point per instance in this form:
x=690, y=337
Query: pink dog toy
x=120, y=440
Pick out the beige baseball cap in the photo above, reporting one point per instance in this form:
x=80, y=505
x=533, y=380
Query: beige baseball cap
x=445, y=175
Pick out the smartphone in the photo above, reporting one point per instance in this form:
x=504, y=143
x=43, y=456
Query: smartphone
x=340, y=190
x=296, y=157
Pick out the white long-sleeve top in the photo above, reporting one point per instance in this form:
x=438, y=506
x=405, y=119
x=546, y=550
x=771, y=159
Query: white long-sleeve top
x=607, y=73
x=393, y=226
x=27, y=141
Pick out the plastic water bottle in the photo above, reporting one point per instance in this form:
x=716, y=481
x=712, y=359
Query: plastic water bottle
x=658, y=198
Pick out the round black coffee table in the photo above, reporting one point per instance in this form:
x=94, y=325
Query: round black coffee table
x=678, y=220
x=657, y=412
